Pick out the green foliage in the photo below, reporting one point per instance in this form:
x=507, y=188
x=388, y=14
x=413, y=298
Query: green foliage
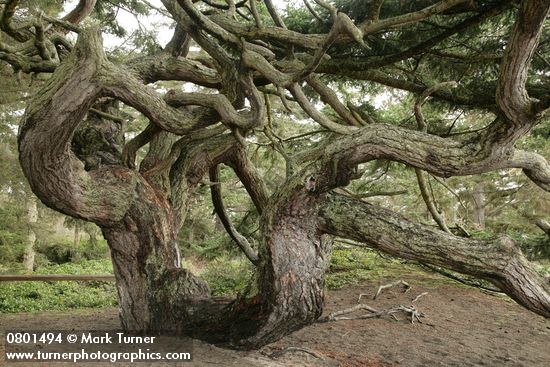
x=11, y=253
x=84, y=267
x=12, y=233
x=39, y=296
x=225, y=276
x=65, y=252
x=229, y=276
x=543, y=267
x=535, y=247
x=354, y=265
x=58, y=253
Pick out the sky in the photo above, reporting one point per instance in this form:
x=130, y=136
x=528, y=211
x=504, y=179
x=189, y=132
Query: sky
x=128, y=21
x=152, y=22
x=160, y=24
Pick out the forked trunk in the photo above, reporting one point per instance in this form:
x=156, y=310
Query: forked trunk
x=156, y=295
x=139, y=213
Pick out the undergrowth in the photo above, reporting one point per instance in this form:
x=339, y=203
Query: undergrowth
x=225, y=275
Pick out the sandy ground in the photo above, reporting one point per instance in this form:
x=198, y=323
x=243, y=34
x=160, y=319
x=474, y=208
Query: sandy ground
x=461, y=327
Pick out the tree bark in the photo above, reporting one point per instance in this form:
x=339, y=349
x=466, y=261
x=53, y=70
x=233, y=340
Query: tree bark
x=543, y=225
x=147, y=264
x=140, y=213
x=500, y=260
x=157, y=295
x=140, y=219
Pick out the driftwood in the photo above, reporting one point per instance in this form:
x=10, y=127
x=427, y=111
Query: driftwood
x=410, y=310
x=414, y=314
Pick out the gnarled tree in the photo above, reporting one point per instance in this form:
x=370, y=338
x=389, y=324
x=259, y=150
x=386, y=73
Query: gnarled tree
x=250, y=53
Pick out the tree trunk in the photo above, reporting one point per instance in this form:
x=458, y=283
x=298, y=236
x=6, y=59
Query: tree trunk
x=32, y=218
x=140, y=218
x=157, y=295
x=140, y=213
x=479, y=206
x=77, y=235
x=147, y=266
x=295, y=257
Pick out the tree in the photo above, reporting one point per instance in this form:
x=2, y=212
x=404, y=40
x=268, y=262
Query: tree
x=331, y=55
x=14, y=192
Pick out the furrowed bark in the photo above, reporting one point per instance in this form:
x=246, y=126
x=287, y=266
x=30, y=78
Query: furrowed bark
x=55, y=174
x=81, y=11
x=512, y=97
x=167, y=67
x=140, y=213
x=498, y=260
x=292, y=277
x=440, y=156
x=147, y=265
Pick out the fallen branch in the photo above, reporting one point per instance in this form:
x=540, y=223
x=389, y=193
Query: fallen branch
x=419, y=296
x=335, y=315
x=414, y=314
x=386, y=286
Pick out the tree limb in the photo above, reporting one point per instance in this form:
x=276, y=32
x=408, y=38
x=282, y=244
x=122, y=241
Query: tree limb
x=219, y=207
x=130, y=149
x=124, y=86
x=417, y=149
x=512, y=97
x=251, y=179
x=56, y=176
x=421, y=175
x=498, y=261
x=80, y=11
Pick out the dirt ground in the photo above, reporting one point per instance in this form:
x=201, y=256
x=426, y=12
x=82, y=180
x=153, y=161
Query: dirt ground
x=461, y=327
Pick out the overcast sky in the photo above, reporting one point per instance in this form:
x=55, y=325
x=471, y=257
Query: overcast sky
x=127, y=20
